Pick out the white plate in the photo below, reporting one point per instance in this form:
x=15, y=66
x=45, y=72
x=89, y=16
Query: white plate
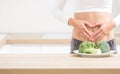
x=92, y=55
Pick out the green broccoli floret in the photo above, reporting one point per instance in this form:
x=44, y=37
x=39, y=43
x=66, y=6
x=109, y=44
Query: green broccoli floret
x=88, y=47
x=92, y=47
x=103, y=46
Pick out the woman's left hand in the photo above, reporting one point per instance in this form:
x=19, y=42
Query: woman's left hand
x=104, y=29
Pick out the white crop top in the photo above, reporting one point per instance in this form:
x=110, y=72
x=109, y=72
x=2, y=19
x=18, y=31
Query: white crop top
x=84, y=6
x=92, y=5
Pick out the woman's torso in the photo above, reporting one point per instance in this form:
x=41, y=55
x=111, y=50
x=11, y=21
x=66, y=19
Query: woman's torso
x=93, y=18
x=92, y=11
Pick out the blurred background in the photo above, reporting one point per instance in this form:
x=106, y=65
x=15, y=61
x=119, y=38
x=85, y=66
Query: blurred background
x=29, y=16
x=25, y=23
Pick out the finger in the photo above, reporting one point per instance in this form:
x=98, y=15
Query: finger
x=87, y=25
x=98, y=35
x=97, y=32
x=87, y=32
x=83, y=34
x=90, y=30
x=99, y=39
x=86, y=35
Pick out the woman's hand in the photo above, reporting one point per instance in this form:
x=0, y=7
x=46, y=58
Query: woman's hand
x=104, y=29
x=80, y=27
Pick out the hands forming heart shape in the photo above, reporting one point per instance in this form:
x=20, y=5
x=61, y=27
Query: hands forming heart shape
x=102, y=29
x=92, y=32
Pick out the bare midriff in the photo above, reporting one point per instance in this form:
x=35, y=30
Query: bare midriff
x=93, y=18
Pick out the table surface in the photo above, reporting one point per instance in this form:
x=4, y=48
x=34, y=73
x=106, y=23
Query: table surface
x=60, y=61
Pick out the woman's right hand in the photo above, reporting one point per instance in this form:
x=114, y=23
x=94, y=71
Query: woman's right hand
x=81, y=27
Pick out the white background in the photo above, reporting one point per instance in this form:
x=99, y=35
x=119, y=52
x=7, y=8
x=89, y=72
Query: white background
x=31, y=16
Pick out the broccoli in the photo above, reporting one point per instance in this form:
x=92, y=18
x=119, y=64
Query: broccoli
x=103, y=46
x=92, y=47
x=88, y=47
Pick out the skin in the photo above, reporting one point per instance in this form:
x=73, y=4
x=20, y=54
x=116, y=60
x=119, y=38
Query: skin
x=92, y=26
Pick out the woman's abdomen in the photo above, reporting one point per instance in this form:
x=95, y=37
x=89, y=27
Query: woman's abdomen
x=93, y=18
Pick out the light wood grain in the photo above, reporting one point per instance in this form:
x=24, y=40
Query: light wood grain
x=33, y=39
x=39, y=41
x=58, y=63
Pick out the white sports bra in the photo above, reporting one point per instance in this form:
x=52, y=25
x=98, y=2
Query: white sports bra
x=92, y=5
x=85, y=6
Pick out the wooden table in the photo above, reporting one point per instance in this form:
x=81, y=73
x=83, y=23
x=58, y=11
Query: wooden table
x=58, y=64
